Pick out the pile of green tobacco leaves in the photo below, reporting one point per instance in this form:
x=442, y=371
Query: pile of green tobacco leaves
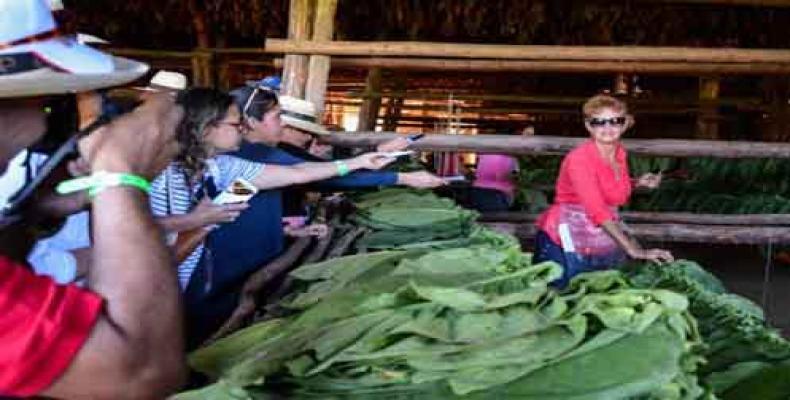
x=745, y=358
x=462, y=323
x=447, y=309
x=403, y=218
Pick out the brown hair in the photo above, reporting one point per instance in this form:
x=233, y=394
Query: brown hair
x=595, y=104
x=203, y=107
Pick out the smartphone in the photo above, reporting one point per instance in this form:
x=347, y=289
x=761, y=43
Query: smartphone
x=396, y=154
x=414, y=138
x=454, y=178
x=240, y=191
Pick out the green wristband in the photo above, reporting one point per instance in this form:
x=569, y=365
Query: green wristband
x=342, y=168
x=101, y=180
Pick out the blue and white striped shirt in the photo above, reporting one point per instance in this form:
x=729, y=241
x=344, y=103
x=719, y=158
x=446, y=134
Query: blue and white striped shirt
x=172, y=194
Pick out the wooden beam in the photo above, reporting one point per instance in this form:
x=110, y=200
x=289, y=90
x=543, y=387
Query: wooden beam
x=679, y=233
x=295, y=69
x=661, y=217
x=556, y=100
x=370, y=107
x=750, y=3
x=559, y=66
x=531, y=52
x=512, y=144
x=319, y=65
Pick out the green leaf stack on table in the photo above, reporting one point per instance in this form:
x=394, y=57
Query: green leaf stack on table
x=466, y=323
x=745, y=358
x=447, y=309
x=403, y=217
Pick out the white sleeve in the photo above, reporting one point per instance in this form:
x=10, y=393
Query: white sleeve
x=229, y=168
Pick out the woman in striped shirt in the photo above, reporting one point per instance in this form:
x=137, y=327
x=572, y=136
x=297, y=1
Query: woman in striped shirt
x=213, y=125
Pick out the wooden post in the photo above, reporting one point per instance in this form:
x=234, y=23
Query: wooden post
x=295, y=68
x=708, y=119
x=369, y=111
x=394, y=106
x=777, y=125
x=318, y=75
x=197, y=70
x=223, y=75
x=201, y=67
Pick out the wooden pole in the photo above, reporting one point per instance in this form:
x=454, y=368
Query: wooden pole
x=708, y=119
x=369, y=110
x=201, y=69
x=598, y=67
x=531, y=52
x=319, y=65
x=512, y=144
x=197, y=70
x=680, y=233
x=661, y=217
x=295, y=68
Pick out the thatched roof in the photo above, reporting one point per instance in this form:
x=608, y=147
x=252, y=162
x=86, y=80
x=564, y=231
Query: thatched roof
x=243, y=23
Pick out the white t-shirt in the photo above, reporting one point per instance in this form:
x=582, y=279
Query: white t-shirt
x=51, y=256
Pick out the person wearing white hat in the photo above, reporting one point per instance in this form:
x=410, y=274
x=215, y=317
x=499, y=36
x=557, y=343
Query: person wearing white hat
x=103, y=341
x=166, y=81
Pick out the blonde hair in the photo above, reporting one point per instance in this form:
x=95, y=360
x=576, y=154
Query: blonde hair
x=595, y=104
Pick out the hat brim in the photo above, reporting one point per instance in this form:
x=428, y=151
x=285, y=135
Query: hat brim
x=75, y=68
x=309, y=127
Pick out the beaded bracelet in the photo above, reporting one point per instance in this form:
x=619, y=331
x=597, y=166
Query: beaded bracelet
x=342, y=168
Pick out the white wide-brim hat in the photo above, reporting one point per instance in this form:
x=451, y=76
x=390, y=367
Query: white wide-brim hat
x=67, y=66
x=300, y=114
x=165, y=80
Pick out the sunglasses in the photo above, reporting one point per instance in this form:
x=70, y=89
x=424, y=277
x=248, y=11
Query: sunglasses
x=268, y=96
x=598, y=122
x=240, y=126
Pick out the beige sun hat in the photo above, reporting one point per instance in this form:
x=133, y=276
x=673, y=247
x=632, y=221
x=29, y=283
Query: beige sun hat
x=166, y=80
x=300, y=114
x=36, y=60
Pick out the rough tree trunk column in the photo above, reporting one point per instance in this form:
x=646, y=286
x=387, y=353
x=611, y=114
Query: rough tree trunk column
x=369, y=112
x=708, y=118
x=318, y=75
x=295, y=68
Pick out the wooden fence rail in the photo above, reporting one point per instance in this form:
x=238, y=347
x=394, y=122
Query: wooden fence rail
x=681, y=233
x=530, y=52
x=514, y=144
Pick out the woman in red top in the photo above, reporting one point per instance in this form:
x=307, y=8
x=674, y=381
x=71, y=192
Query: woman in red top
x=581, y=231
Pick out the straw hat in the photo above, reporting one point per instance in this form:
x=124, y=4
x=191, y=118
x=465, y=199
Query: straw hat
x=166, y=80
x=300, y=114
x=35, y=60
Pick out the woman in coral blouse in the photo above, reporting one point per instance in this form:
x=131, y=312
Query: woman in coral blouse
x=581, y=230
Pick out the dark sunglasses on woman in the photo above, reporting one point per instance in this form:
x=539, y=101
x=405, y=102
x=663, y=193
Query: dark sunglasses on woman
x=597, y=122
